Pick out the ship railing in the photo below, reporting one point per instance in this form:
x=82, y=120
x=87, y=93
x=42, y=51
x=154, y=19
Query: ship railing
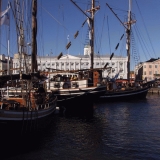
x=47, y=105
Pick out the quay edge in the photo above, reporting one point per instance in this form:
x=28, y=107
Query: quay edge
x=154, y=90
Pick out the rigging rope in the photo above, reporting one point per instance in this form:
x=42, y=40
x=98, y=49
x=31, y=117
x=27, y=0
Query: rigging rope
x=134, y=51
x=109, y=35
x=141, y=40
x=146, y=30
x=101, y=33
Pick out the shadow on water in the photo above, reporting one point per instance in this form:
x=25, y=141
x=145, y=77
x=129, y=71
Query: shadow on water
x=80, y=111
x=17, y=140
x=111, y=130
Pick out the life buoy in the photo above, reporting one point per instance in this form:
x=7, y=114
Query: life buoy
x=65, y=85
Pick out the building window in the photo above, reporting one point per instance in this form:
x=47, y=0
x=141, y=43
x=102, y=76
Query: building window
x=155, y=66
x=144, y=72
x=156, y=72
x=144, y=66
x=121, y=70
x=150, y=72
x=150, y=66
x=113, y=70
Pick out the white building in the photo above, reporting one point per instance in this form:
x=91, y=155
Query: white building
x=70, y=62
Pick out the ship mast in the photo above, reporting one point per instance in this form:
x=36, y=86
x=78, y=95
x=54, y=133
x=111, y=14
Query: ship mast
x=127, y=26
x=34, y=35
x=91, y=21
x=128, y=31
x=92, y=33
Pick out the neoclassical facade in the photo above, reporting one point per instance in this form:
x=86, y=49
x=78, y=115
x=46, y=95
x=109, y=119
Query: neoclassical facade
x=70, y=62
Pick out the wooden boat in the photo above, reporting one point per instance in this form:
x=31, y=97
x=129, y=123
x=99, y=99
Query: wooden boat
x=24, y=97
x=125, y=94
x=137, y=90
x=25, y=103
x=79, y=91
x=70, y=91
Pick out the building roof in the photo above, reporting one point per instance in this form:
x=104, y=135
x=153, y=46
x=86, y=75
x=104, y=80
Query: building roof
x=84, y=56
x=152, y=60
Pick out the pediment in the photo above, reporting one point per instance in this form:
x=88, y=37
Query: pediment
x=69, y=57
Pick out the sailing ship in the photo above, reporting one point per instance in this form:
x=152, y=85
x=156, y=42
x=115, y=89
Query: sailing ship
x=24, y=97
x=86, y=86
x=134, y=89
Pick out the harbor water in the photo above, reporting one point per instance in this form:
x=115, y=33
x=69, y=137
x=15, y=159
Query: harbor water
x=114, y=130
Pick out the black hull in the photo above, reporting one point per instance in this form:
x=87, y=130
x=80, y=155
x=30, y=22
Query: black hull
x=21, y=121
x=125, y=95
x=80, y=99
x=22, y=127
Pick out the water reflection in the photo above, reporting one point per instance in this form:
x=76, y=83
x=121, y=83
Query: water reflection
x=115, y=130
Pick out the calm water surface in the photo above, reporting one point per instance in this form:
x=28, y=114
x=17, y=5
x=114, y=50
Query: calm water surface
x=116, y=130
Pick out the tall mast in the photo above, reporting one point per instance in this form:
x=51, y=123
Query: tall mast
x=92, y=34
x=129, y=39
x=20, y=32
x=34, y=35
x=127, y=26
x=91, y=21
x=0, y=22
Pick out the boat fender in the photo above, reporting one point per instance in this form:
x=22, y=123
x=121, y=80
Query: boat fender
x=32, y=98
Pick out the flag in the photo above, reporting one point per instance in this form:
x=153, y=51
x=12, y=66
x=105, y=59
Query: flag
x=116, y=76
x=4, y=16
x=89, y=25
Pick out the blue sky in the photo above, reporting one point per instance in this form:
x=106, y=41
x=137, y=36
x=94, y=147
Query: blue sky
x=59, y=18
